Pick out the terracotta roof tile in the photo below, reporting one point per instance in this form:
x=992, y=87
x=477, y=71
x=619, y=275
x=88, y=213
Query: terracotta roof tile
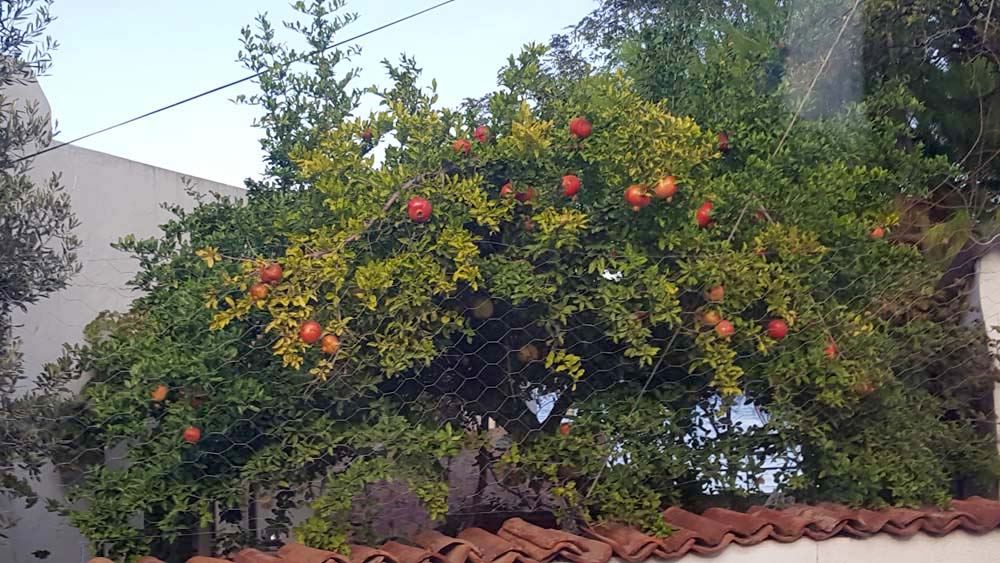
x=518, y=541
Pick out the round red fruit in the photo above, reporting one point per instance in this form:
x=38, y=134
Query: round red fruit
x=419, y=209
x=704, y=215
x=564, y=428
x=462, y=146
x=580, y=127
x=159, y=394
x=570, y=185
x=330, y=344
x=507, y=190
x=711, y=318
x=310, y=331
x=666, y=188
x=715, y=294
x=525, y=196
x=258, y=291
x=777, y=329
x=192, y=434
x=367, y=135
x=271, y=273
x=725, y=329
x=877, y=233
x=482, y=134
x=830, y=351
x=637, y=197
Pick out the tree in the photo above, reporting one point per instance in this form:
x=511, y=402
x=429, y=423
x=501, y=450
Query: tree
x=584, y=347
x=36, y=243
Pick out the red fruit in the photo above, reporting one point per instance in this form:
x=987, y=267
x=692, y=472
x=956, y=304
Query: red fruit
x=715, y=294
x=525, y=196
x=462, y=146
x=192, y=434
x=580, y=127
x=330, y=344
x=482, y=134
x=507, y=190
x=637, y=197
x=159, y=394
x=725, y=329
x=666, y=188
x=367, y=135
x=723, y=143
x=564, y=428
x=830, y=351
x=310, y=331
x=271, y=273
x=419, y=209
x=570, y=185
x=777, y=329
x=877, y=233
x=704, y=215
x=258, y=291
x=711, y=318
x=529, y=225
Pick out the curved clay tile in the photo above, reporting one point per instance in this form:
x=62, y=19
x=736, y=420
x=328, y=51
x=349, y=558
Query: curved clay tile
x=298, y=553
x=250, y=555
x=748, y=529
x=149, y=559
x=627, y=542
x=545, y=544
x=451, y=550
x=983, y=514
x=203, y=559
x=365, y=554
x=409, y=554
x=493, y=548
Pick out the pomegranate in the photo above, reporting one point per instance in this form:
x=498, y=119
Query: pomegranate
x=666, y=189
x=159, y=394
x=258, y=291
x=564, y=428
x=462, y=146
x=715, y=294
x=310, y=331
x=271, y=273
x=637, y=197
x=482, y=134
x=192, y=434
x=725, y=329
x=507, y=190
x=580, y=127
x=419, y=209
x=570, y=185
x=877, y=233
x=330, y=344
x=711, y=318
x=777, y=329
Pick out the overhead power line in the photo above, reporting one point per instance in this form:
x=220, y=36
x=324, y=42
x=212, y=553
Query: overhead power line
x=231, y=84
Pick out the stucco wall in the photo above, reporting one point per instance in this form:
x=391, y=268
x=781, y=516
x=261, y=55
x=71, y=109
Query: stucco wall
x=956, y=547
x=111, y=197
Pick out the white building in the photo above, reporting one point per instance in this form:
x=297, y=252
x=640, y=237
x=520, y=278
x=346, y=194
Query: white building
x=112, y=197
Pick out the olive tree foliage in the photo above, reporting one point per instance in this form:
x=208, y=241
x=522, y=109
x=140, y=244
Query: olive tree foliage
x=37, y=244
x=451, y=332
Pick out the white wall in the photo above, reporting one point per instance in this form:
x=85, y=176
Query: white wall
x=956, y=547
x=111, y=197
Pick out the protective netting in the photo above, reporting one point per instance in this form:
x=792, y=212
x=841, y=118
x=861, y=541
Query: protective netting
x=569, y=298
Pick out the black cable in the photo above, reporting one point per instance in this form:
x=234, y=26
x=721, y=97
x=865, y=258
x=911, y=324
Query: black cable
x=230, y=84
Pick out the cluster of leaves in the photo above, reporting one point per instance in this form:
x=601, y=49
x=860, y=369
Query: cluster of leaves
x=37, y=245
x=456, y=332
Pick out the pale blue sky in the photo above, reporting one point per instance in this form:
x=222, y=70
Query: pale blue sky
x=120, y=58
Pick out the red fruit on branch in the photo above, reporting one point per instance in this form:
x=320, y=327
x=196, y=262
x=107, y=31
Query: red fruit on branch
x=637, y=197
x=330, y=344
x=830, y=351
x=529, y=225
x=715, y=294
x=723, y=142
x=725, y=329
x=419, y=209
x=704, y=215
x=258, y=291
x=507, y=190
x=310, y=331
x=271, y=273
x=159, y=394
x=564, y=428
x=462, y=146
x=192, y=434
x=877, y=233
x=570, y=185
x=580, y=127
x=367, y=135
x=711, y=318
x=482, y=134
x=666, y=188
x=777, y=329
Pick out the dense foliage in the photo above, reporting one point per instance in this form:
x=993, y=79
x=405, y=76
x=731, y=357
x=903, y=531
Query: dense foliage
x=578, y=348
x=37, y=246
